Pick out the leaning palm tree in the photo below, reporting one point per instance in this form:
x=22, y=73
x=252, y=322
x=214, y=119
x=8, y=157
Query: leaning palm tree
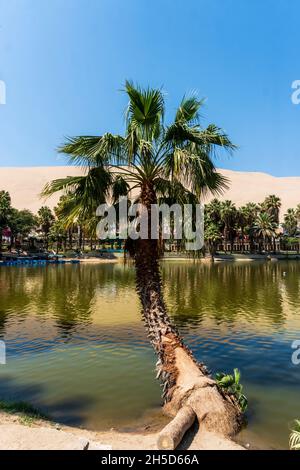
x=157, y=159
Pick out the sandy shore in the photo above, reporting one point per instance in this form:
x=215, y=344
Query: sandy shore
x=19, y=433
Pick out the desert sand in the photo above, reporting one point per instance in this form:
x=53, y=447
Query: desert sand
x=25, y=185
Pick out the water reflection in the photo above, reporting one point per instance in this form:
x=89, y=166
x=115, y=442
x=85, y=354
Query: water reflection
x=76, y=331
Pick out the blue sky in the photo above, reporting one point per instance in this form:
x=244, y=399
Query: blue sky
x=64, y=63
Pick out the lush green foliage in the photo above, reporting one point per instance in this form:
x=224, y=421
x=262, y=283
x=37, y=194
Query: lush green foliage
x=231, y=384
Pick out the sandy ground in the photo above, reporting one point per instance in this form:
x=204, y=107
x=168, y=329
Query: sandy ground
x=25, y=185
x=20, y=434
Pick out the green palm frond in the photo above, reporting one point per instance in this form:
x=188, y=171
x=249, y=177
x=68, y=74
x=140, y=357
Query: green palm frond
x=195, y=169
x=91, y=150
x=88, y=191
x=179, y=157
x=145, y=111
x=173, y=192
x=120, y=187
x=188, y=111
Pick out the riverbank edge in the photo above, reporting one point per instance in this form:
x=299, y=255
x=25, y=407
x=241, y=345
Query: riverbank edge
x=12, y=425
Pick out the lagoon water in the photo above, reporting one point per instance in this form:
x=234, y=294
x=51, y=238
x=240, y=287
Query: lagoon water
x=77, y=349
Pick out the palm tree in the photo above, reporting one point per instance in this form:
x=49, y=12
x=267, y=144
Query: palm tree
x=246, y=217
x=297, y=212
x=5, y=211
x=264, y=227
x=46, y=220
x=250, y=212
x=229, y=217
x=213, y=211
x=212, y=236
x=290, y=222
x=242, y=221
x=157, y=159
x=272, y=206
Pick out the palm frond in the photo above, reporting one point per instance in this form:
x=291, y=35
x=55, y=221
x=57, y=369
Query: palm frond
x=88, y=191
x=172, y=191
x=95, y=151
x=188, y=110
x=120, y=187
x=295, y=436
x=145, y=111
x=196, y=171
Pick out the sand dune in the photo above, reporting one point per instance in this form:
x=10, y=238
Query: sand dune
x=25, y=185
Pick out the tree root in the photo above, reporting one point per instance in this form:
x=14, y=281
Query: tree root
x=189, y=394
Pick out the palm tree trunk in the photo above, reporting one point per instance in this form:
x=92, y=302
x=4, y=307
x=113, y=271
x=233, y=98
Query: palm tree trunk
x=71, y=238
x=184, y=380
x=243, y=241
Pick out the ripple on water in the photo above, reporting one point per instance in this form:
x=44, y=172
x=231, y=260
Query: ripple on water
x=77, y=348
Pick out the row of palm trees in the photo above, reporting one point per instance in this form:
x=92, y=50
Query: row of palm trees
x=258, y=224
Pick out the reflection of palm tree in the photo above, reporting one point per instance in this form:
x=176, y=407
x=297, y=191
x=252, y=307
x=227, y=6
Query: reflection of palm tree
x=243, y=293
x=158, y=160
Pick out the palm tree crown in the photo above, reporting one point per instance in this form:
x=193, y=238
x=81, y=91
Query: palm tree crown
x=170, y=159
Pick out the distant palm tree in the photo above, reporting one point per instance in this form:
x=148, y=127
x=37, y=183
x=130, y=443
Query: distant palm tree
x=229, y=218
x=290, y=222
x=46, y=220
x=212, y=237
x=157, y=159
x=249, y=214
x=272, y=205
x=297, y=211
x=264, y=227
x=5, y=211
